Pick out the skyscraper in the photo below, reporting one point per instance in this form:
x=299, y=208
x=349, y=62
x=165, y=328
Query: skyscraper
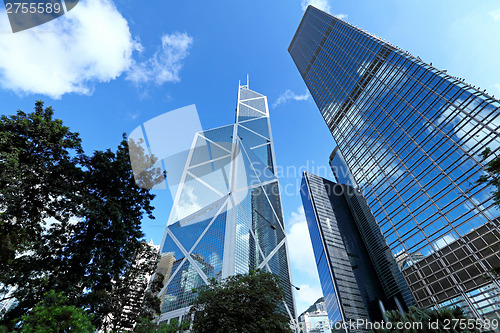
x=359, y=276
x=409, y=136
x=227, y=216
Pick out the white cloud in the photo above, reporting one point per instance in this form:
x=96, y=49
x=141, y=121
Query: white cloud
x=445, y=241
x=307, y=295
x=465, y=128
x=188, y=203
x=166, y=63
x=297, y=217
x=495, y=14
x=91, y=43
x=497, y=87
x=289, y=95
x=133, y=115
x=305, y=272
x=323, y=5
x=320, y=4
x=299, y=244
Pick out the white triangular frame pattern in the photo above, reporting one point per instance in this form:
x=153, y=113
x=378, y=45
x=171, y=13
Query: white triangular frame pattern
x=251, y=107
x=231, y=206
x=187, y=254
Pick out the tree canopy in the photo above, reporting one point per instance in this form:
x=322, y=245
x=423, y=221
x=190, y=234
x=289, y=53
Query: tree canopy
x=69, y=222
x=492, y=179
x=493, y=176
x=53, y=315
x=444, y=320
x=243, y=303
x=147, y=326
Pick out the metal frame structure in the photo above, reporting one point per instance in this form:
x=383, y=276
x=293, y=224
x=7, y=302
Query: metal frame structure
x=227, y=216
x=412, y=136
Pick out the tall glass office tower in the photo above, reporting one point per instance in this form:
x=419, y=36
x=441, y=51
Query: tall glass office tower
x=227, y=217
x=359, y=277
x=409, y=136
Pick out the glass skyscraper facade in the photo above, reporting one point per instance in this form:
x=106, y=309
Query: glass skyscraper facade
x=359, y=276
x=227, y=217
x=409, y=136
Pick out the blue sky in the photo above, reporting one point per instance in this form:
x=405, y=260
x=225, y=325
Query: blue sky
x=106, y=67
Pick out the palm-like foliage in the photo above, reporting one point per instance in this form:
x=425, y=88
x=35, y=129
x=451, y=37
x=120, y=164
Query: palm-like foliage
x=445, y=320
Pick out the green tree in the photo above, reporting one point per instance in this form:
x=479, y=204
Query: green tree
x=492, y=179
x=145, y=325
x=151, y=303
x=493, y=176
x=39, y=161
x=244, y=303
x=68, y=222
x=54, y=315
x=38, y=158
x=447, y=320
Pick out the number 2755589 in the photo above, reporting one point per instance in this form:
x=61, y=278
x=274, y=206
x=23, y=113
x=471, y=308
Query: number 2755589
x=32, y=8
